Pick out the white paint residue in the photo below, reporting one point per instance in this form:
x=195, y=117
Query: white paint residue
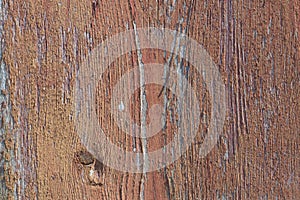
x=91, y=172
x=121, y=106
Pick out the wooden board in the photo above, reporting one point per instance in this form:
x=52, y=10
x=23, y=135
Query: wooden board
x=255, y=46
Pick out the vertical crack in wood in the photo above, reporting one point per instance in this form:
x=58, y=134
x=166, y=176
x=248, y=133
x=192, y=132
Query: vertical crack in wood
x=143, y=102
x=178, y=49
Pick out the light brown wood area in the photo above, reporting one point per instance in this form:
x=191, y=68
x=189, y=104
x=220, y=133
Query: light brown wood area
x=255, y=46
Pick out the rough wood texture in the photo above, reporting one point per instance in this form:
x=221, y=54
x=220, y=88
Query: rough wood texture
x=255, y=45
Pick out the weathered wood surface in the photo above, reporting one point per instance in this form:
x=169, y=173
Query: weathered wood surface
x=255, y=45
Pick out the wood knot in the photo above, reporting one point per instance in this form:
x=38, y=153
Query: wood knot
x=92, y=168
x=96, y=174
x=84, y=157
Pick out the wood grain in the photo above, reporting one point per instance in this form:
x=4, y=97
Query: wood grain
x=255, y=45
